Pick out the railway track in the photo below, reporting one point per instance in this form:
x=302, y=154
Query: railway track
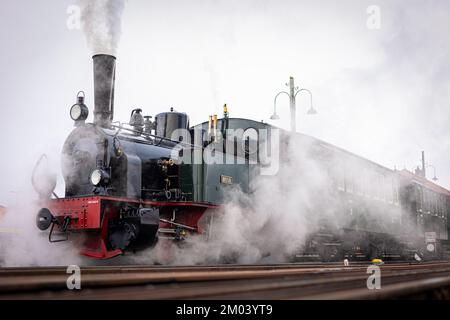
x=284, y=281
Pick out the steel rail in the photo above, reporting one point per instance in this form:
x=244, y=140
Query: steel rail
x=290, y=281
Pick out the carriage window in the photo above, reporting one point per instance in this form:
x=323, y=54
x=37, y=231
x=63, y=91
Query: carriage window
x=396, y=195
x=340, y=180
x=349, y=182
x=426, y=200
x=378, y=187
x=419, y=198
x=360, y=184
x=367, y=183
x=391, y=195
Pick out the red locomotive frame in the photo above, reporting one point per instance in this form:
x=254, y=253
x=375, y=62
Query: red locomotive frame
x=91, y=214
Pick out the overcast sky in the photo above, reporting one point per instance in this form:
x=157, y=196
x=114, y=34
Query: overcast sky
x=381, y=93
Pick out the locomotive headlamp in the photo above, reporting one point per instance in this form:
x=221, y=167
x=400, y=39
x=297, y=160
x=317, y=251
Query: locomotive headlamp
x=99, y=176
x=44, y=219
x=79, y=111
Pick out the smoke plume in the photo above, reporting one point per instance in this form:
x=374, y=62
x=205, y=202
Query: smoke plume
x=102, y=23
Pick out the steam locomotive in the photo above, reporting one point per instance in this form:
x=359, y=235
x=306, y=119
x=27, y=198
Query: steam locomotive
x=128, y=186
x=123, y=187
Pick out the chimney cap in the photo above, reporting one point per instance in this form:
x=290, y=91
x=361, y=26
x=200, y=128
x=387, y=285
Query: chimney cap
x=103, y=55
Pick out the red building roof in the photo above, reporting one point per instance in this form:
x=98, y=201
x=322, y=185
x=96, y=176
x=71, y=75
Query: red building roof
x=424, y=182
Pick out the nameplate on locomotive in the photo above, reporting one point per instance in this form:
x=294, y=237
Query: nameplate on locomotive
x=226, y=179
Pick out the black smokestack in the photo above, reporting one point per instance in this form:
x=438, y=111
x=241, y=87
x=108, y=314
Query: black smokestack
x=104, y=77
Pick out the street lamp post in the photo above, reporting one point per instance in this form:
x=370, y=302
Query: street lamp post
x=434, y=169
x=292, y=104
x=293, y=91
x=425, y=165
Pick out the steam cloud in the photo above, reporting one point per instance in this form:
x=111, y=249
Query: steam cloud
x=271, y=224
x=102, y=23
x=21, y=243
